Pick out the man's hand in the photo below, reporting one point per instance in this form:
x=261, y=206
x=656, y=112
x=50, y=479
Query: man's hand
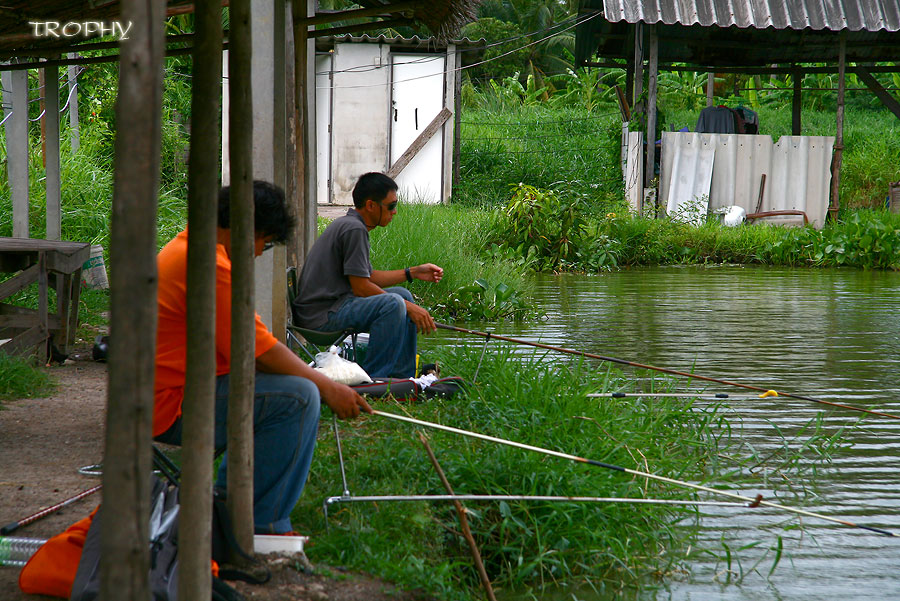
x=345, y=401
x=420, y=317
x=427, y=272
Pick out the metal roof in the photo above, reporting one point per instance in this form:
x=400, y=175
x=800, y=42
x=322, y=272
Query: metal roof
x=742, y=33
x=834, y=15
x=414, y=42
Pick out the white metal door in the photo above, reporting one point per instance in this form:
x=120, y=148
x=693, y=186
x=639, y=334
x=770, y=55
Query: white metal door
x=323, y=128
x=417, y=96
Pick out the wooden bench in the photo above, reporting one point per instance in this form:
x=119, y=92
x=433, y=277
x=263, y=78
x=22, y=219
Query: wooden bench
x=51, y=264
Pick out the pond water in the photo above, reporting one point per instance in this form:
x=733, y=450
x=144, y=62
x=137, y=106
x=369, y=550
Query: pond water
x=829, y=334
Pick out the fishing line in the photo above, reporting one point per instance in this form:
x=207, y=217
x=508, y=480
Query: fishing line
x=666, y=370
x=758, y=501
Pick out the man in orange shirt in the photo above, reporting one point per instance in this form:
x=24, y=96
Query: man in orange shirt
x=288, y=392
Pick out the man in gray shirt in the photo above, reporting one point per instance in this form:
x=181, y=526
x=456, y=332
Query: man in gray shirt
x=339, y=289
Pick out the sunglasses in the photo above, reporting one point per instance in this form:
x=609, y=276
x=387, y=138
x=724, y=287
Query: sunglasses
x=391, y=206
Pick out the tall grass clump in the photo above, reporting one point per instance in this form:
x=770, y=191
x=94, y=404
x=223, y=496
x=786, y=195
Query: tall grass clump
x=20, y=379
x=451, y=237
x=570, y=149
x=532, y=399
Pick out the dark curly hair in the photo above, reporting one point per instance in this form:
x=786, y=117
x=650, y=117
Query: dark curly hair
x=271, y=216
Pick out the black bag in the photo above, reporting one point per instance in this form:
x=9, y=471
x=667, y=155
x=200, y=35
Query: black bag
x=408, y=390
x=163, y=553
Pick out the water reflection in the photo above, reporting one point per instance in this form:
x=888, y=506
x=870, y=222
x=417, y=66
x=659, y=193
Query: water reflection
x=830, y=334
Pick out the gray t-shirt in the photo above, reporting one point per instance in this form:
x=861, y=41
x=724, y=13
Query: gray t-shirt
x=342, y=250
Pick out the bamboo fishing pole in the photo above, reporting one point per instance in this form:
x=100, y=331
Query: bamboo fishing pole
x=665, y=370
x=753, y=502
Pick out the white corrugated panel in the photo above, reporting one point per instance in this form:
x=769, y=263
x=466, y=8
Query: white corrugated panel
x=690, y=176
x=797, y=171
x=634, y=170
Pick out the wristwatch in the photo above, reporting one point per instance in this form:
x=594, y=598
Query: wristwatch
x=408, y=274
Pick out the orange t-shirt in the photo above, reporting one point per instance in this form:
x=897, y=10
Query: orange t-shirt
x=171, y=333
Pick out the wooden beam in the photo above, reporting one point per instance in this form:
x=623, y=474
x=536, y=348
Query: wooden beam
x=125, y=555
x=387, y=23
x=839, y=134
x=650, y=172
x=419, y=142
x=888, y=100
x=638, y=64
x=199, y=406
x=324, y=17
x=710, y=87
x=242, y=375
x=797, y=78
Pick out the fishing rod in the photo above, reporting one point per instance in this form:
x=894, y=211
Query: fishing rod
x=12, y=527
x=549, y=498
x=665, y=370
x=753, y=502
x=686, y=395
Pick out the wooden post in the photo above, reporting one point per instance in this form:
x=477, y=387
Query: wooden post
x=710, y=87
x=304, y=109
x=125, y=553
x=17, y=147
x=278, y=282
x=650, y=172
x=74, y=127
x=51, y=152
x=199, y=405
x=797, y=76
x=839, y=135
x=241, y=379
x=636, y=106
x=457, y=123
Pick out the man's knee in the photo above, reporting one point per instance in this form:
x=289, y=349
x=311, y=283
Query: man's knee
x=393, y=304
x=401, y=292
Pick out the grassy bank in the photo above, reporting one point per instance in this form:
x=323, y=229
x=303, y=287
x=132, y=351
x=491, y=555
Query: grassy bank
x=527, y=545
x=20, y=379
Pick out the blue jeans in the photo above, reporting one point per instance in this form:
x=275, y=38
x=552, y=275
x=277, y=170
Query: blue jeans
x=285, y=422
x=392, y=335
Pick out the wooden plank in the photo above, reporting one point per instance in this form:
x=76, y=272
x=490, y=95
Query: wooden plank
x=886, y=98
x=26, y=341
x=51, y=152
x=29, y=321
x=36, y=244
x=419, y=142
x=19, y=282
x=636, y=105
x=17, y=139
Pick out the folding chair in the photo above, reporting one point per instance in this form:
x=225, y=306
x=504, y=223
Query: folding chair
x=301, y=338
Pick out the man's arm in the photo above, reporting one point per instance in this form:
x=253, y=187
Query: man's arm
x=343, y=400
x=427, y=272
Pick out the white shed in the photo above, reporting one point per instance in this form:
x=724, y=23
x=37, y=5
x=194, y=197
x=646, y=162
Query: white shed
x=385, y=104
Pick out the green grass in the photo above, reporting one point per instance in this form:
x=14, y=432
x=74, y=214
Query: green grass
x=449, y=236
x=21, y=379
x=538, y=400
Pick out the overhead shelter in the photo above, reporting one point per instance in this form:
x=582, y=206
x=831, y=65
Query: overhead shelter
x=742, y=36
x=285, y=41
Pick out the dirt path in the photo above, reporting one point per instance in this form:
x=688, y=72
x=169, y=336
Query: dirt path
x=43, y=442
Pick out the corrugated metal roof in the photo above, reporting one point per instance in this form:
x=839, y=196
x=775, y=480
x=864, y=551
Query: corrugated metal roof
x=834, y=15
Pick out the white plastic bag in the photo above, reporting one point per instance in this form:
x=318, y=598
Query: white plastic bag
x=339, y=369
